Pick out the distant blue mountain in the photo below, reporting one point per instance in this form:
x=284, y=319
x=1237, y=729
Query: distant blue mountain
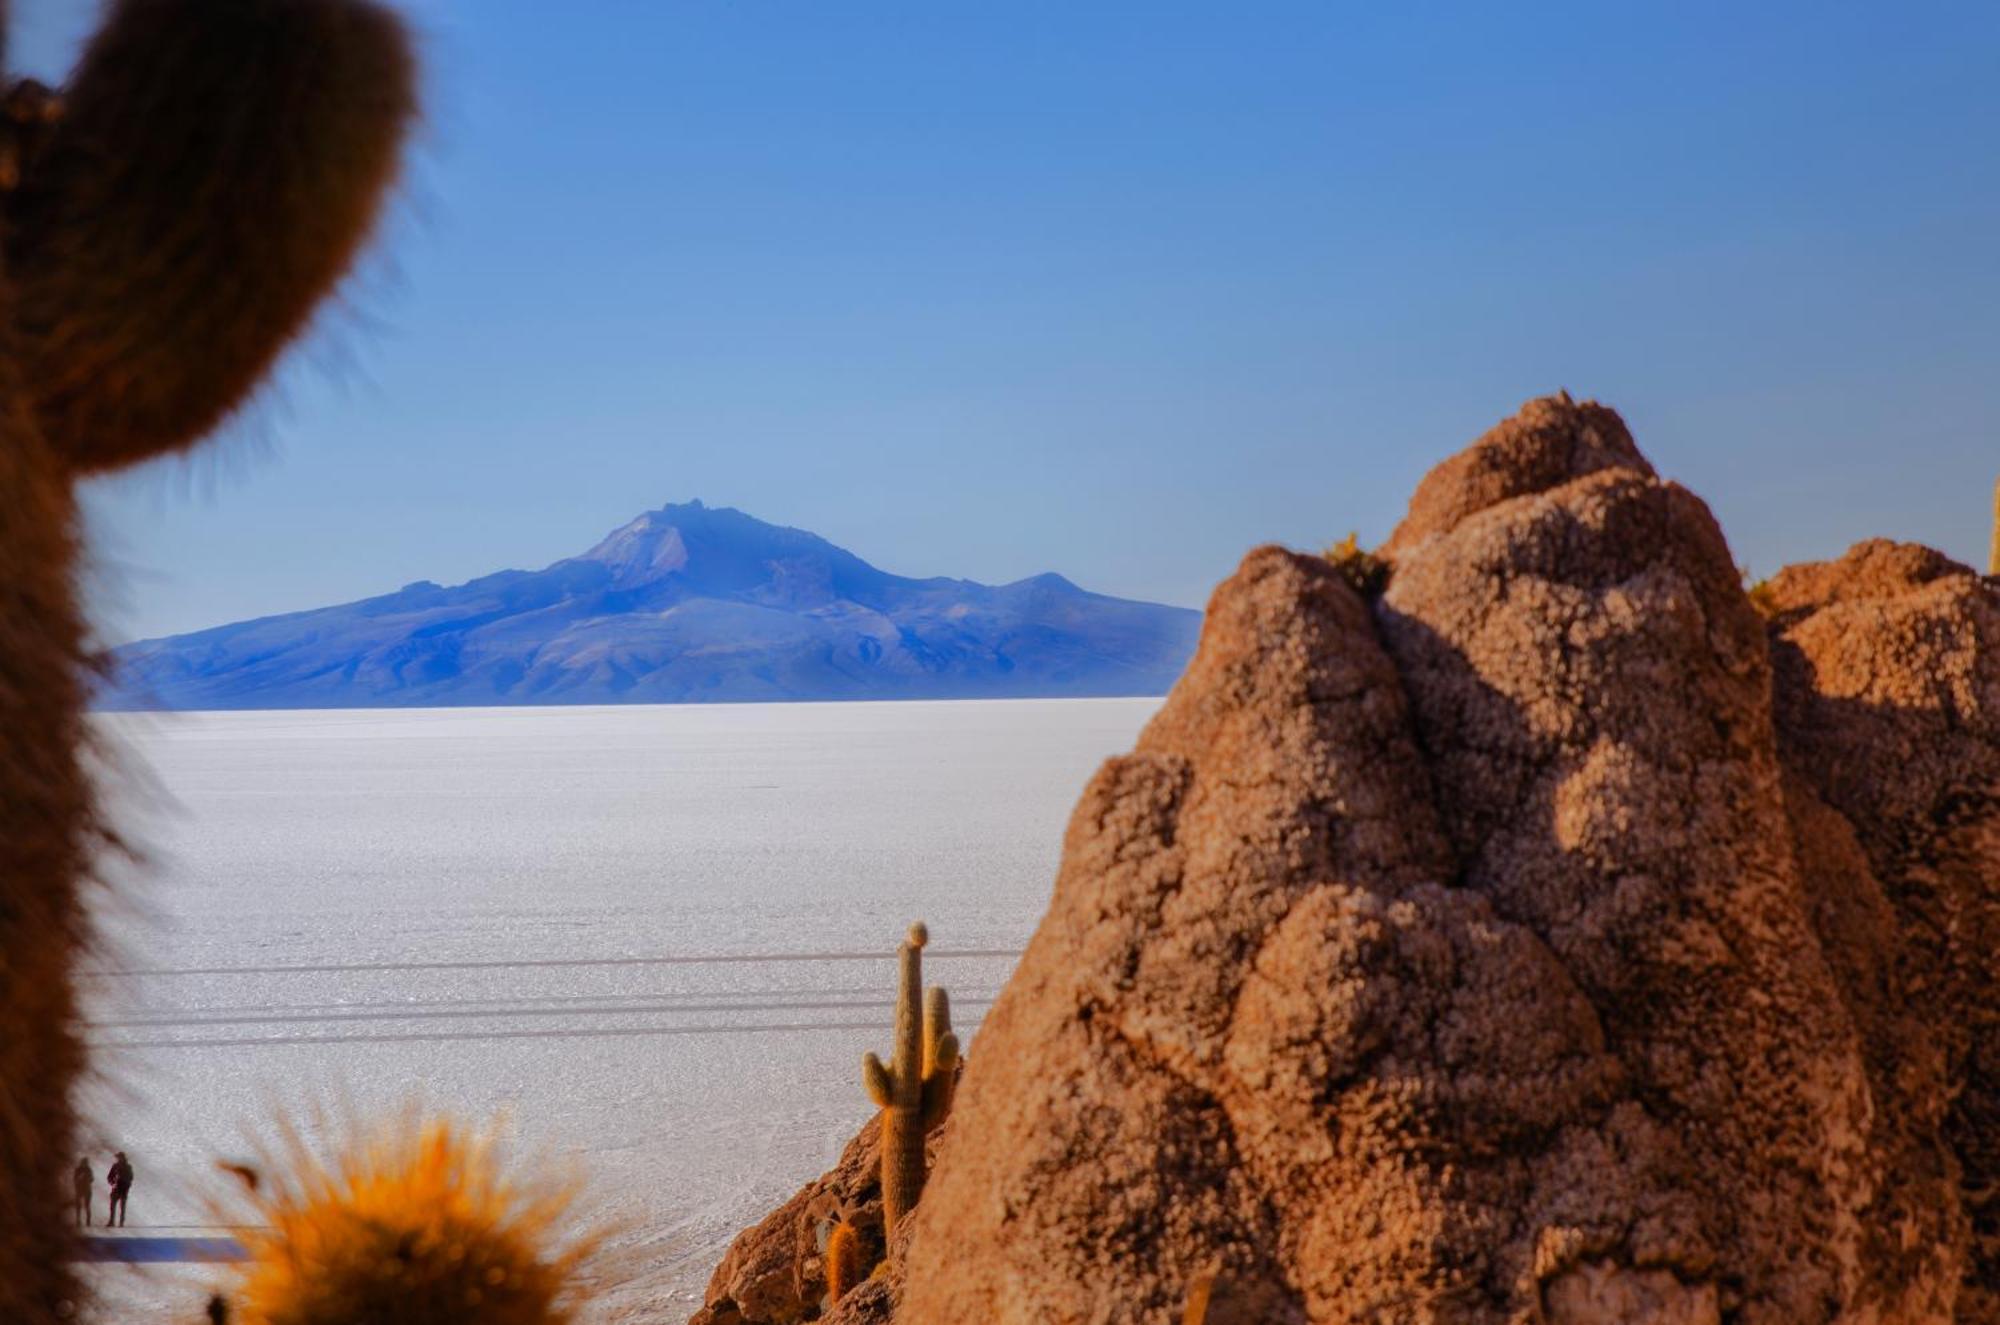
x=685, y=604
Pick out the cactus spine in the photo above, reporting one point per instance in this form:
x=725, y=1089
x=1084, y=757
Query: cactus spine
x=843, y=1261
x=913, y=1089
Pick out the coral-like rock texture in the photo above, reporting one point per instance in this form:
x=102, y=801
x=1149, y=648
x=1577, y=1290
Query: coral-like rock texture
x=1551, y=937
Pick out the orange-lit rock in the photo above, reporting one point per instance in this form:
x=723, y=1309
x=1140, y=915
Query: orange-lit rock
x=1552, y=938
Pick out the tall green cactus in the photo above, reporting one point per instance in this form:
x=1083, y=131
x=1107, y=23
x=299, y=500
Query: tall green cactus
x=913, y=1090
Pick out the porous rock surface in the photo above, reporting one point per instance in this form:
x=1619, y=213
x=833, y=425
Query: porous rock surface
x=1553, y=938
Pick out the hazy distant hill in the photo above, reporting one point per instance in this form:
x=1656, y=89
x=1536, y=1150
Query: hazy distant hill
x=684, y=604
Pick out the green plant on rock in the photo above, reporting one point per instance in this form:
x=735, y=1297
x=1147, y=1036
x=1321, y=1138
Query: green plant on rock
x=914, y=1089
x=1365, y=573
x=1760, y=593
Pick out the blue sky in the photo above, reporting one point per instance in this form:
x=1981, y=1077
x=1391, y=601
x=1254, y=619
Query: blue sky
x=1119, y=290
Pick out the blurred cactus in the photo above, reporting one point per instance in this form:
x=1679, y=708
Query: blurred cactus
x=418, y=1223
x=217, y=166
x=168, y=223
x=914, y=1090
x=843, y=1261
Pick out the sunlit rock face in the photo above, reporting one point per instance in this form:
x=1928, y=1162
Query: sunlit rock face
x=1553, y=937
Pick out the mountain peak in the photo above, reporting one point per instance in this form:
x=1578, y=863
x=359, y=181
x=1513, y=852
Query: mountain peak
x=684, y=603
x=716, y=548
x=644, y=548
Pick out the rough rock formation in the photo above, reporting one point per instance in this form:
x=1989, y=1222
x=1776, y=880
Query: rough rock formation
x=1552, y=938
x=168, y=227
x=1888, y=713
x=776, y=1273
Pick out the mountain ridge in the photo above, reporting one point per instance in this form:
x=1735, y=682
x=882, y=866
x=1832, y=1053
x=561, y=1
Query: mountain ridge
x=683, y=603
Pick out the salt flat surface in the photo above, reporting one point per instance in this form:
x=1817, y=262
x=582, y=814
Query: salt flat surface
x=494, y=911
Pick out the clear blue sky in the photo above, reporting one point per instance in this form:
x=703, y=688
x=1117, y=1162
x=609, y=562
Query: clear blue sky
x=1118, y=290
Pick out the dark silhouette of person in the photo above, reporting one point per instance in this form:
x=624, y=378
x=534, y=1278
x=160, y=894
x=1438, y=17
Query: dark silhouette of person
x=120, y=1180
x=84, y=1180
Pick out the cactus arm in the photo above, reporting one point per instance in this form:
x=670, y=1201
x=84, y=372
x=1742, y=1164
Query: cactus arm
x=945, y=1060
x=940, y=1057
x=940, y=1082
x=218, y=166
x=875, y=1078
x=937, y=1024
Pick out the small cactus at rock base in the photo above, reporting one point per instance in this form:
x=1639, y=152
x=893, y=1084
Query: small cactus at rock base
x=416, y=1224
x=913, y=1090
x=843, y=1261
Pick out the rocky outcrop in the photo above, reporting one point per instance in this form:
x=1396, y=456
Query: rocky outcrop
x=1888, y=715
x=775, y=1273
x=1552, y=937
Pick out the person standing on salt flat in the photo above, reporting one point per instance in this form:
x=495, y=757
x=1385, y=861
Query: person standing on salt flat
x=119, y=1179
x=84, y=1180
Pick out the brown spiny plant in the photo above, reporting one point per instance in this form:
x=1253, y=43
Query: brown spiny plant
x=168, y=224
x=912, y=1090
x=418, y=1221
x=843, y=1261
